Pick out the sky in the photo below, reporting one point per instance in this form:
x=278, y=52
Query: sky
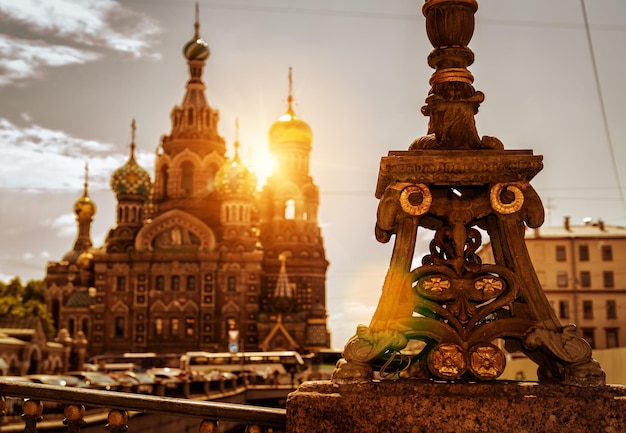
x=74, y=73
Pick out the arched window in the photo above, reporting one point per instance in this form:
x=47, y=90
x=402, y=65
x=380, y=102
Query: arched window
x=187, y=178
x=211, y=172
x=190, y=116
x=290, y=209
x=158, y=327
x=164, y=181
x=56, y=308
x=120, y=327
x=70, y=326
x=175, y=283
x=174, y=326
x=190, y=326
x=85, y=327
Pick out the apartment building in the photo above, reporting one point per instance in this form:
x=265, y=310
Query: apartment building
x=582, y=269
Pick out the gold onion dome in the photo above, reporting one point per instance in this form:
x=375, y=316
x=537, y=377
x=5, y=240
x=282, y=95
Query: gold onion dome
x=131, y=178
x=84, y=206
x=289, y=128
x=234, y=177
x=84, y=260
x=196, y=48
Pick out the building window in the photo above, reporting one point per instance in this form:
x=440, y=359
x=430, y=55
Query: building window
x=583, y=253
x=164, y=176
x=611, y=309
x=609, y=279
x=190, y=116
x=560, y=253
x=589, y=335
x=585, y=279
x=120, y=325
x=607, y=253
x=561, y=279
x=158, y=327
x=174, y=326
x=187, y=178
x=159, y=282
x=290, y=209
x=611, y=338
x=190, y=326
x=121, y=284
x=191, y=283
x=563, y=309
x=232, y=283
x=175, y=283
x=587, y=309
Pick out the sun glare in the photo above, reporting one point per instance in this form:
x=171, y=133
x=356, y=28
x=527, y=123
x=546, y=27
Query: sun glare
x=262, y=165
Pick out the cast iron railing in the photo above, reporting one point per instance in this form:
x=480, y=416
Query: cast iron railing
x=209, y=413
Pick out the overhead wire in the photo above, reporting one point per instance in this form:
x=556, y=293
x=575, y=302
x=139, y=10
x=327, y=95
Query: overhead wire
x=605, y=121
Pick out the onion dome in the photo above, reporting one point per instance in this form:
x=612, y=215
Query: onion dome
x=84, y=206
x=197, y=48
x=84, y=260
x=289, y=128
x=234, y=177
x=131, y=178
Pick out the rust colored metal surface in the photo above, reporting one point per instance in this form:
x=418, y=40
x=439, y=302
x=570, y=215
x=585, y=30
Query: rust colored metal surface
x=452, y=317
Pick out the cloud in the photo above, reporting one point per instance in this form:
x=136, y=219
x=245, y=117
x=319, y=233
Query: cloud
x=104, y=23
x=94, y=24
x=65, y=225
x=22, y=59
x=59, y=159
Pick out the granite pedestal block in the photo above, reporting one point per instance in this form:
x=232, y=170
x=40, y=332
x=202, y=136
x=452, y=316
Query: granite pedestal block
x=419, y=406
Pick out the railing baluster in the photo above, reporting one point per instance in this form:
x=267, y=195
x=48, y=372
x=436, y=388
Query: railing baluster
x=255, y=429
x=118, y=403
x=209, y=426
x=117, y=421
x=74, y=415
x=31, y=415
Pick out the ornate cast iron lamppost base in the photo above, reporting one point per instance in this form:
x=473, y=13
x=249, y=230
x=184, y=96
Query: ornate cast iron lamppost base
x=457, y=184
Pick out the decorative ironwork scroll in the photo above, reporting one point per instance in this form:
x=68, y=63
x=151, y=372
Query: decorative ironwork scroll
x=459, y=185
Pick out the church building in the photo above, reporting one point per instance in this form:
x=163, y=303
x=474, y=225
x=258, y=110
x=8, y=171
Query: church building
x=198, y=258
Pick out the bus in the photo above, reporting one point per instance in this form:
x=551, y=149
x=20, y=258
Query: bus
x=266, y=364
x=137, y=361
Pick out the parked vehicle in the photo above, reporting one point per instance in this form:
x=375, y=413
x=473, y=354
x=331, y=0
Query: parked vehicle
x=57, y=379
x=96, y=380
x=126, y=383
x=146, y=381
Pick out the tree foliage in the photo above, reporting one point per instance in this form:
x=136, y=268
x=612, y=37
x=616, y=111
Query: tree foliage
x=20, y=300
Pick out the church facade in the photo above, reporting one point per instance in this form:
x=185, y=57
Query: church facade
x=199, y=258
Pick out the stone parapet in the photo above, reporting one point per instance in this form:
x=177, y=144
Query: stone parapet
x=417, y=406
